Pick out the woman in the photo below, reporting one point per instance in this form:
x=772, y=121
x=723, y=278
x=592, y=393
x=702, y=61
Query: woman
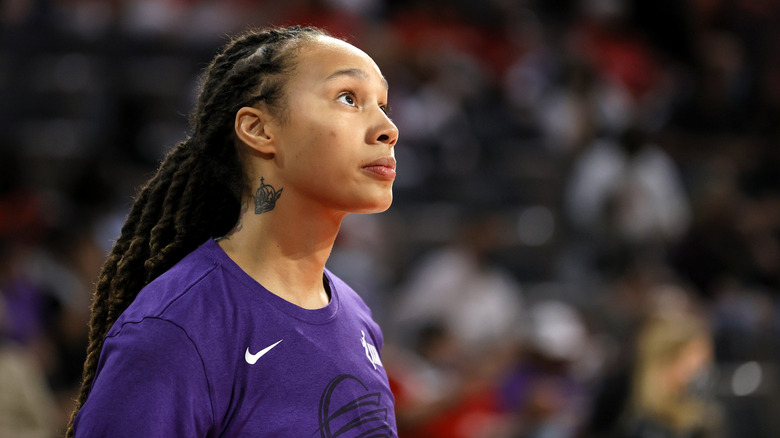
x=673, y=355
x=238, y=328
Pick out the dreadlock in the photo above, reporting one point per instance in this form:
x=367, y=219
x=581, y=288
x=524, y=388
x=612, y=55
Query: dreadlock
x=196, y=192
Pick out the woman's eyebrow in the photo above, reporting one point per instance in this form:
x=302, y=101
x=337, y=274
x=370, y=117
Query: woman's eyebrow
x=354, y=73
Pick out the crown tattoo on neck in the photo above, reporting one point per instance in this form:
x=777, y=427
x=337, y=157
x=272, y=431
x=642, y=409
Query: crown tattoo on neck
x=266, y=197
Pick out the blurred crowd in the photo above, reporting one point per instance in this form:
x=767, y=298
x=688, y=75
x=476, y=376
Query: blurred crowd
x=585, y=237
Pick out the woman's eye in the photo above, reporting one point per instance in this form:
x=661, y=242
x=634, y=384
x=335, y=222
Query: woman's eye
x=347, y=99
x=385, y=109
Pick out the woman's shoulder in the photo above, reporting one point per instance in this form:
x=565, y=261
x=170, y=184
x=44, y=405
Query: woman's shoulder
x=186, y=291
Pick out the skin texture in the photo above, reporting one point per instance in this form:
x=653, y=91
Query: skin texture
x=316, y=158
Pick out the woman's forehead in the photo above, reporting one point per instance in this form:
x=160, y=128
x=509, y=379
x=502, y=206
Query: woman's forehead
x=326, y=57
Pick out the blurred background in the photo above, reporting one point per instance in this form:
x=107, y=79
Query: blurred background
x=585, y=237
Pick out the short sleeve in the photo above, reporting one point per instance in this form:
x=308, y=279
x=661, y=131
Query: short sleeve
x=150, y=382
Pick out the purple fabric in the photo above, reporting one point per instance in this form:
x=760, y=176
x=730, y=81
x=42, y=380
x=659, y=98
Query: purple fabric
x=176, y=362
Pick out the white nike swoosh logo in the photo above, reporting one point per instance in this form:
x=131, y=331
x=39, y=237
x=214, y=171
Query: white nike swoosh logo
x=252, y=358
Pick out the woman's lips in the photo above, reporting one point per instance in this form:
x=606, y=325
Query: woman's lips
x=383, y=168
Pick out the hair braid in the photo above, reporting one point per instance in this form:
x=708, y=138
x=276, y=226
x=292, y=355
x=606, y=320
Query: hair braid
x=126, y=283
x=165, y=226
x=196, y=192
x=99, y=322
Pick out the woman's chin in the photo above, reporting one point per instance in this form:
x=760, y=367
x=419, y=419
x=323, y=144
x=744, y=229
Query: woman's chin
x=376, y=206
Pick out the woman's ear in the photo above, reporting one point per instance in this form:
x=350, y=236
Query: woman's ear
x=252, y=128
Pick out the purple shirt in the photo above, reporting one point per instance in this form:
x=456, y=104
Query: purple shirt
x=206, y=351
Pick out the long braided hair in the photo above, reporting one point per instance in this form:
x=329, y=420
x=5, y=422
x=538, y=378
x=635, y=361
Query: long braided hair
x=196, y=192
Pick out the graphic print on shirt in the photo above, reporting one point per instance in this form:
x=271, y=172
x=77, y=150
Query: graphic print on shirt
x=371, y=352
x=342, y=414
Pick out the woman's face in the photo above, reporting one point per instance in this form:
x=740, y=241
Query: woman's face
x=694, y=357
x=335, y=146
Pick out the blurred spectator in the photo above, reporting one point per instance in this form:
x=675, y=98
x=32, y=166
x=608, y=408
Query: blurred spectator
x=443, y=391
x=477, y=301
x=27, y=408
x=461, y=314
x=669, y=393
x=628, y=196
x=642, y=290
x=27, y=405
x=543, y=393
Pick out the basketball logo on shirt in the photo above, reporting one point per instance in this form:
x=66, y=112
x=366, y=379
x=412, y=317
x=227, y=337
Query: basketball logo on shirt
x=349, y=409
x=371, y=353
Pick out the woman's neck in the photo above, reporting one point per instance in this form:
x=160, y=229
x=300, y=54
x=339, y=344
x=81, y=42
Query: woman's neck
x=285, y=250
